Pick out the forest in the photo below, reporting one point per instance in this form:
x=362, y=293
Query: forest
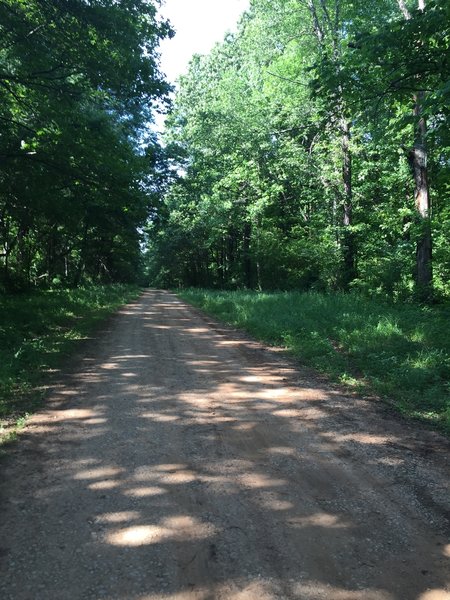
x=79, y=84
x=310, y=151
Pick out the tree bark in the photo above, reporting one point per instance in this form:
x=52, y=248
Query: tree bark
x=246, y=255
x=323, y=31
x=348, y=242
x=418, y=158
x=404, y=9
x=316, y=23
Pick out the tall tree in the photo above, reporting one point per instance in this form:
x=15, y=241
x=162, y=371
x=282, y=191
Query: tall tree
x=288, y=148
x=78, y=82
x=418, y=157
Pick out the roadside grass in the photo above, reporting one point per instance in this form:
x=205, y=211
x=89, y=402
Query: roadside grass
x=38, y=332
x=399, y=351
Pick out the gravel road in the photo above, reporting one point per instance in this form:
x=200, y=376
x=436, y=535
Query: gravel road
x=180, y=460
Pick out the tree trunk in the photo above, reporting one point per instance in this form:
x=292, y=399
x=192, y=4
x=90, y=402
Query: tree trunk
x=348, y=241
x=79, y=269
x=328, y=34
x=247, y=263
x=418, y=159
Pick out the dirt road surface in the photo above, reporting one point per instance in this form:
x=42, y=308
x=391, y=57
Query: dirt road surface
x=179, y=460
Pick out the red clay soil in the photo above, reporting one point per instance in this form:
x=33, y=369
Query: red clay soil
x=179, y=460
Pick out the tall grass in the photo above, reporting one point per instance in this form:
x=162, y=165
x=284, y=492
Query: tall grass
x=39, y=330
x=402, y=352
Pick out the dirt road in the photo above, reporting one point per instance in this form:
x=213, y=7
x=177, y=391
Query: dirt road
x=181, y=461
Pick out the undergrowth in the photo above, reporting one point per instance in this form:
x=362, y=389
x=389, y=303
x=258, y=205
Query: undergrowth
x=38, y=331
x=399, y=351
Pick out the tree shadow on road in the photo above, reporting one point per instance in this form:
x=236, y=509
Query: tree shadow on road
x=179, y=461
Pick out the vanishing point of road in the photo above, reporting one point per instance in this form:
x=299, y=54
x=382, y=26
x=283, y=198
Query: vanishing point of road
x=179, y=460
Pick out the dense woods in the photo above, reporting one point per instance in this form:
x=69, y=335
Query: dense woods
x=78, y=83
x=310, y=150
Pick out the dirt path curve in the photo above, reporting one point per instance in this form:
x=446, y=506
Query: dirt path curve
x=181, y=461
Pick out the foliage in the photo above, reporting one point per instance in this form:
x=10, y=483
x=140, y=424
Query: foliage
x=402, y=352
x=39, y=330
x=78, y=84
x=290, y=145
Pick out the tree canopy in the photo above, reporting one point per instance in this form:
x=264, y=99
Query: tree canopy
x=308, y=150
x=311, y=150
x=78, y=84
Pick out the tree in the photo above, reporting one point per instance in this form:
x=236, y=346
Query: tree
x=289, y=143
x=78, y=82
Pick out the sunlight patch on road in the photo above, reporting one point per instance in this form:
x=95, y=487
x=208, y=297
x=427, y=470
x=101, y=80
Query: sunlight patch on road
x=164, y=474
x=361, y=438
x=169, y=467
x=196, y=594
x=78, y=413
x=68, y=392
x=258, y=480
x=435, y=595
x=118, y=517
x=104, y=485
x=145, y=492
x=319, y=520
x=100, y=473
x=390, y=461
x=287, y=413
x=159, y=417
x=110, y=365
x=244, y=426
x=204, y=363
x=274, y=393
x=251, y=379
x=180, y=528
x=179, y=477
x=257, y=590
x=315, y=590
x=131, y=356
x=232, y=343
x=274, y=503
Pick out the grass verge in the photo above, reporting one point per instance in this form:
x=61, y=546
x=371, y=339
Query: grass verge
x=401, y=352
x=38, y=332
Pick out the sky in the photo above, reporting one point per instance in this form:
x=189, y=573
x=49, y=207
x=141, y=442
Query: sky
x=199, y=24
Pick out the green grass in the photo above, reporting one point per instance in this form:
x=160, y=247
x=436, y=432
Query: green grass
x=399, y=351
x=38, y=332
